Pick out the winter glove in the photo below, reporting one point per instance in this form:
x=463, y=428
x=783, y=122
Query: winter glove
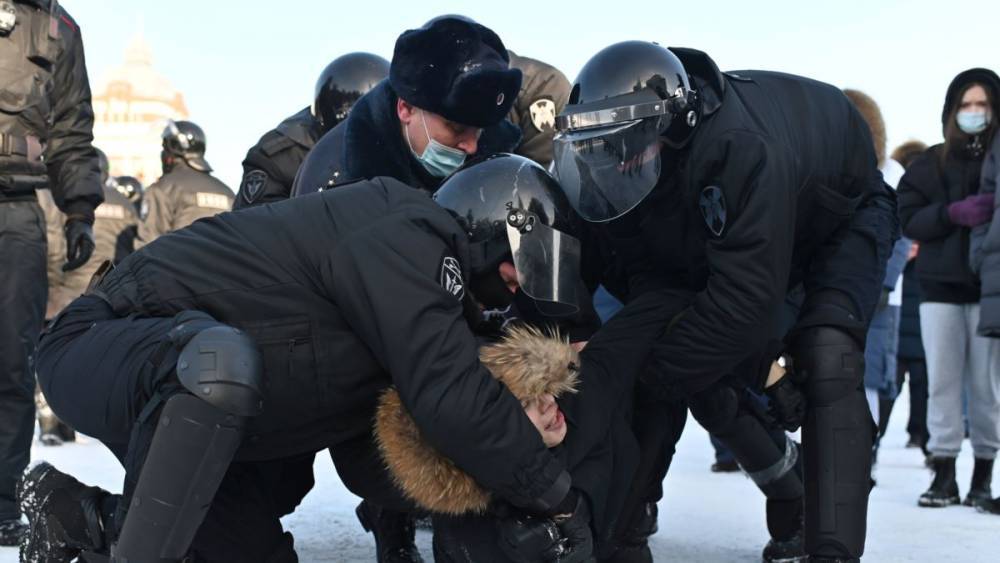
x=526, y=538
x=788, y=403
x=564, y=537
x=972, y=211
x=79, y=242
x=575, y=530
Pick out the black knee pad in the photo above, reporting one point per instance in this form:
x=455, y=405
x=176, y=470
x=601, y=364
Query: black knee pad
x=829, y=363
x=222, y=366
x=837, y=437
x=194, y=441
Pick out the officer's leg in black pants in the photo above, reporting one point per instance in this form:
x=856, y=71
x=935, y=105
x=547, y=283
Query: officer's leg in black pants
x=658, y=426
x=722, y=411
x=23, y=291
x=170, y=397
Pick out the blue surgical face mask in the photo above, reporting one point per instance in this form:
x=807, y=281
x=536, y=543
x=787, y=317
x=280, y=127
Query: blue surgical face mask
x=972, y=122
x=439, y=160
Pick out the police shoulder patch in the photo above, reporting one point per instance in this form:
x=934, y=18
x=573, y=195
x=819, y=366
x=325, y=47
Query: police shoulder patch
x=451, y=277
x=543, y=114
x=253, y=185
x=712, y=203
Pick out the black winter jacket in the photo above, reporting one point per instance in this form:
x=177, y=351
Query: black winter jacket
x=803, y=201
x=343, y=293
x=270, y=166
x=45, y=94
x=369, y=143
x=924, y=194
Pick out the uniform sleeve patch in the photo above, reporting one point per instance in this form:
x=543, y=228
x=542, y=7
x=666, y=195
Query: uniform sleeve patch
x=253, y=185
x=543, y=114
x=712, y=203
x=212, y=201
x=451, y=277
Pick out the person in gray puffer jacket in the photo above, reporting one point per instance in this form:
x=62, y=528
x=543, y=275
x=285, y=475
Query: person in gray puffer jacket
x=984, y=248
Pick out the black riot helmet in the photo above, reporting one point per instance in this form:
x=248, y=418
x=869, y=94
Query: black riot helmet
x=130, y=187
x=513, y=210
x=186, y=140
x=342, y=82
x=631, y=100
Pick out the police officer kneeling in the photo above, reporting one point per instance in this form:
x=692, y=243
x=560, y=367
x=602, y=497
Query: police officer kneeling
x=266, y=334
x=743, y=187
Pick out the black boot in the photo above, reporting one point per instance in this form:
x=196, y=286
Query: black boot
x=989, y=507
x=785, y=524
x=394, y=533
x=944, y=489
x=979, y=490
x=65, y=516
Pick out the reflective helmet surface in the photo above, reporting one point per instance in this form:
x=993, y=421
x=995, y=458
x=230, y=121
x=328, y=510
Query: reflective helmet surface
x=343, y=82
x=512, y=209
x=629, y=101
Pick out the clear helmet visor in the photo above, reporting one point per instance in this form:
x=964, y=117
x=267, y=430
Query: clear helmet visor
x=607, y=171
x=548, y=265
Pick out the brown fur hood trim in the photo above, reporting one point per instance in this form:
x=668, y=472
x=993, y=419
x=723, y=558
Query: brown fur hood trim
x=529, y=362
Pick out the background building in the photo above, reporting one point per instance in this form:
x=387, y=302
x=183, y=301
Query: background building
x=132, y=102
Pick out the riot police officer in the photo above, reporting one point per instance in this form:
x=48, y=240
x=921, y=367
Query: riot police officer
x=187, y=191
x=46, y=123
x=262, y=336
x=270, y=165
x=742, y=187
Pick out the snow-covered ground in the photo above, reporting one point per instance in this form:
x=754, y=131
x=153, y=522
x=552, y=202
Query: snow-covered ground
x=704, y=517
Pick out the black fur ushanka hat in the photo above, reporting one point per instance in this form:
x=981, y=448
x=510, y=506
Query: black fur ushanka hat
x=457, y=69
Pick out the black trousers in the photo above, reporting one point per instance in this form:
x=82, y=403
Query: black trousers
x=23, y=292
x=917, y=370
x=99, y=371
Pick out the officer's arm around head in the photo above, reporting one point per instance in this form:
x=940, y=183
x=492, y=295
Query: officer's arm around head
x=74, y=176
x=749, y=255
x=388, y=280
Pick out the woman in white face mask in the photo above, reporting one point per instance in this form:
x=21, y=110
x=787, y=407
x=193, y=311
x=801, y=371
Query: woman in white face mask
x=939, y=205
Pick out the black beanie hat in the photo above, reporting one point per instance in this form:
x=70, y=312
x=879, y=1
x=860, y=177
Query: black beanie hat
x=457, y=69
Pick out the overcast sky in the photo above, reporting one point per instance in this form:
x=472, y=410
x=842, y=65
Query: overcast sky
x=245, y=65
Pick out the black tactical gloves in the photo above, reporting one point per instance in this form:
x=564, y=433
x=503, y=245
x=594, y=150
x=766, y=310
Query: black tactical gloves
x=561, y=538
x=788, y=403
x=79, y=242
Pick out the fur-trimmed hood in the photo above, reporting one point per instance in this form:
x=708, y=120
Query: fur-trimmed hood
x=529, y=362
